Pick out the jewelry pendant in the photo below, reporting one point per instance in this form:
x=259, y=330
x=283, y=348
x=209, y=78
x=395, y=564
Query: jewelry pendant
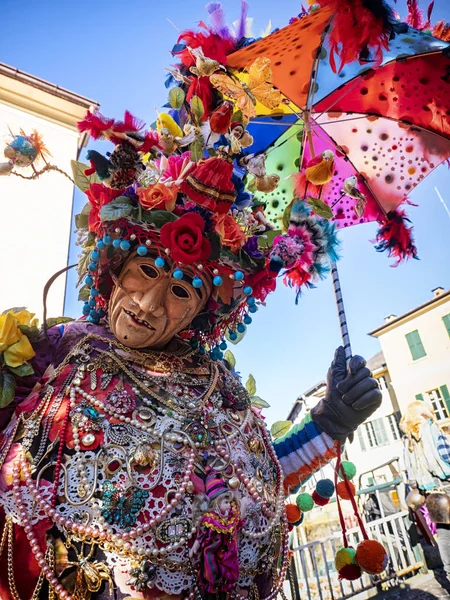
x=144, y=455
x=142, y=576
x=88, y=439
x=120, y=401
x=122, y=506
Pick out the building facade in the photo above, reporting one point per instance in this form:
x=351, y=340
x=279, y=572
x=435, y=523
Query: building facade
x=416, y=346
x=37, y=214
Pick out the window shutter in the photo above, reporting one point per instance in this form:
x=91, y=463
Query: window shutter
x=419, y=397
x=446, y=396
x=415, y=345
x=446, y=320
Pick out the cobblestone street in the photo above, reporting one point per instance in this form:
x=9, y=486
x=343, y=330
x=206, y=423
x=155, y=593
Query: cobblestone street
x=420, y=587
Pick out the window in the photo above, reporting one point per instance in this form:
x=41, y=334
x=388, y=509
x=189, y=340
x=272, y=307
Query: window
x=379, y=432
x=446, y=320
x=415, y=345
x=382, y=383
x=437, y=400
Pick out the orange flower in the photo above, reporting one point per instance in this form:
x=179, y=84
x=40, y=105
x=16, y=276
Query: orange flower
x=158, y=196
x=230, y=232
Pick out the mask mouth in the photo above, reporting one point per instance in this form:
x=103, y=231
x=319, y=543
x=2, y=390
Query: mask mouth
x=138, y=321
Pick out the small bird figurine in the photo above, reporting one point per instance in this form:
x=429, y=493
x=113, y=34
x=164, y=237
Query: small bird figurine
x=204, y=66
x=255, y=164
x=319, y=170
x=267, y=183
x=165, y=121
x=178, y=76
x=352, y=191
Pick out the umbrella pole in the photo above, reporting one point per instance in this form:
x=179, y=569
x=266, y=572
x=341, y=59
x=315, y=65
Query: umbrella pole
x=341, y=312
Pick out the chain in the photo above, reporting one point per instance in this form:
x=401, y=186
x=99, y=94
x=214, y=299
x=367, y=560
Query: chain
x=12, y=584
x=10, y=441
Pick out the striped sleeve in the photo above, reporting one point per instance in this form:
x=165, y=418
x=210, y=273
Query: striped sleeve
x=303, y=450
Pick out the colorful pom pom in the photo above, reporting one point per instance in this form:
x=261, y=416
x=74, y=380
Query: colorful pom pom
x=348, y=468
x=293, y=513
x=342, y=490
x=319, y=500
x=371, y=557
x=305, y=502
x=344, y=556
x=325, y=488
x=350, y=572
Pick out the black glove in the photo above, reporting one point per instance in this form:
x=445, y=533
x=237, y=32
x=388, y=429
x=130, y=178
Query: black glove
x=352, y=396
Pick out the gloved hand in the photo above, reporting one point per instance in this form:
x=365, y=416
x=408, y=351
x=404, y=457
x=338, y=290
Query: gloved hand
x=352, y=396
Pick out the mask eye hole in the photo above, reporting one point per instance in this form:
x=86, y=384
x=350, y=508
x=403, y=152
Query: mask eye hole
x=149, y=271
x=180, y=292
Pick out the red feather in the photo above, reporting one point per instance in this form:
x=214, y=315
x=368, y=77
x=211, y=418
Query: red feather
x=372, y=26
x=151, y=140
x=429, y=11
x=95, y=123
x=415, y=14
x=213, y=47
x=128, y=124
x=395, y=237
x=201, y=87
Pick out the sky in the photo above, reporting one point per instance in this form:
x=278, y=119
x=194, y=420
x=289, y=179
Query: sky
x=115, y=53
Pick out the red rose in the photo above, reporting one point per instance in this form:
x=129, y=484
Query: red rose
x=262, y=284
x=99, y=195
x=185, y=239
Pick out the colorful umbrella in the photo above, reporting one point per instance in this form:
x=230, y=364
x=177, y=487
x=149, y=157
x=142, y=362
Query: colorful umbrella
x=387, y=123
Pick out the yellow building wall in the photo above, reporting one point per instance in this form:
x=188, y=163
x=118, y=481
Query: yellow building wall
x=411, y=377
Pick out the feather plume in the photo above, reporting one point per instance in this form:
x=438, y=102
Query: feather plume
x=95, y=124
x=303, y=187
x=373, y=20
x=241, y=25
x=201, y=87
x=213, y=46
x=129, y=124
x=151, y=140
x=415, y=14
x=395, y=237
x=218, y=21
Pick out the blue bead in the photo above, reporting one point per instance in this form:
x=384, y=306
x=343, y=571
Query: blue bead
x=94, y=292
x=88, y=281
x=253, y=309
x=202, y=350
x=95, y=256
x=142, y=250
x=251, y=301
x=116, y=243
x=194, y=343
x=107, y=240
x=247, y=319
x=101, y=312
x=160, y=262
x=178, y=274
x=217, y=280
x=93, y=313
x=125, y=245
x=241, y=327
x=248, y=290
x=219, y=355
x=233, y=335
x=86, y=309
x=239, y=276
x=100, y=245
x=92, y=319
x=92, y=302
x=93, y=267
x=223, y=346
x=197, y=282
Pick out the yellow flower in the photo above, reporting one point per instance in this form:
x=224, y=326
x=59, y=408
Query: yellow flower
x=19, y=352
x=24, y=317
x=9, y=332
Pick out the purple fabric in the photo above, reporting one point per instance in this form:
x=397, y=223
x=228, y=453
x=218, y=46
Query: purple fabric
x=251, y=247
x=426, y=515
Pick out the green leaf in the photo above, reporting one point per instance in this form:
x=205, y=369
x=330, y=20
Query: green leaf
x=280, y=428
x=197, y=107
x=237, y=116
x=320, y=207
x=196, y=149
x=58, y=321
x=251, y=385
x=82, y=181
x=116, y=209
x=251, y=186
x=84, y=293
x=81, y=220
x=240, y=337
x=214, y=239
x=84, y=260
x=158, y=217
x=259, y=402
x=286, y=217
x=176, y=98
x=22, y=371
x=8, y=389
x=231, y=360
x=32, y=333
